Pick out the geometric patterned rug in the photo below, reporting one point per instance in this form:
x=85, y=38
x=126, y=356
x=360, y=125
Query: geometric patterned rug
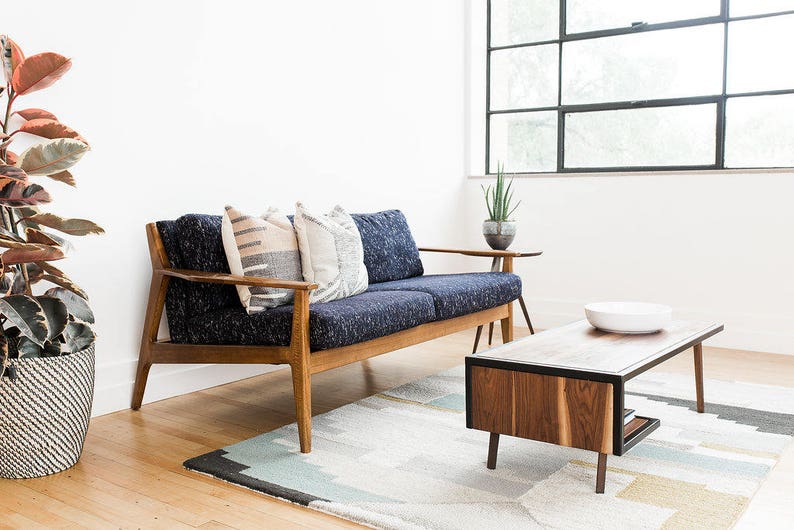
x=405, y=459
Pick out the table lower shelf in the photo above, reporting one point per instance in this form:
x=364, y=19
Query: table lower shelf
x=637, y=429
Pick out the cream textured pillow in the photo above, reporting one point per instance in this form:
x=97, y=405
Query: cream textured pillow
x=261, y=246
x=331, y=253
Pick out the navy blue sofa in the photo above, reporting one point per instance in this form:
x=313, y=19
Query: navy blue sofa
x=401, y=307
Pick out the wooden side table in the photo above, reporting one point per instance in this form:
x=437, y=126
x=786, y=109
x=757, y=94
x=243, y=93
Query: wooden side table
x=496, y=266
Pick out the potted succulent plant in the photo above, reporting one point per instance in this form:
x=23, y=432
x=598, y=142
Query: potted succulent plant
x=46, y=341
x=499, y=229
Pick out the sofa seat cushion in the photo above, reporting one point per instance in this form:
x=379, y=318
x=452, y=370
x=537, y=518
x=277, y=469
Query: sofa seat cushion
x=331, y=324
x=460, y=294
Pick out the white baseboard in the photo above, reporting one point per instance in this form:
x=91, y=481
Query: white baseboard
x=165, y=381
x=752, y=332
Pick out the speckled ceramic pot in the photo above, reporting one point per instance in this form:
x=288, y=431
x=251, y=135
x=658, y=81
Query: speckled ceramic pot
x=499, y=234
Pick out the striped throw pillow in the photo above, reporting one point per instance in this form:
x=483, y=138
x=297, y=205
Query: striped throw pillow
x=261, y=246
x=331, y=253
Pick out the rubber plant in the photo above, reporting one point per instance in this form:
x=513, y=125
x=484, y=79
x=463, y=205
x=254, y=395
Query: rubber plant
x=42, y=312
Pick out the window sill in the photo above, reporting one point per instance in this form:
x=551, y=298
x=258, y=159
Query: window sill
x=693, y=172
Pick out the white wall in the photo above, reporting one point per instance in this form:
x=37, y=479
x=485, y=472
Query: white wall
x=189, y=105
x=714, y=246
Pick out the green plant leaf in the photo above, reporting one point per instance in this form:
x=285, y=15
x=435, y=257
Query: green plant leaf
x=26, y=211
x=16, y=193
x=64, y=282
x=28, y=255
x=32, y=114
x=34, y=273
x=77, y=305
x=48, y=128
x=26, y=313
x=64, y=176
x=28, y=349
x=487, y=193
x=514, y=209
x=52, y=157
x=56, y=313
x=39, y=71
x=73, y=227
x=12, y=282
x=79, y=336
x=9, y=235
x=12, y=172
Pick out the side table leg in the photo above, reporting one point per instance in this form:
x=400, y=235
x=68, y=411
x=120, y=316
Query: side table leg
x=526, y=314
x=601, y=473
x=699, y=376
x=496, y=266
x=477, y=339
x=493, y=448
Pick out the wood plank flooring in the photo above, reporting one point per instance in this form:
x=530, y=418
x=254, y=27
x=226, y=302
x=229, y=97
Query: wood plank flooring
x=131, y=475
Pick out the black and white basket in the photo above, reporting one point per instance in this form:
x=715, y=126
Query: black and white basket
x=44, y=414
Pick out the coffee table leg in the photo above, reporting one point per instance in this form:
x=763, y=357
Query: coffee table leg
x=699, y=376
x=493, y=448
x=601, y=472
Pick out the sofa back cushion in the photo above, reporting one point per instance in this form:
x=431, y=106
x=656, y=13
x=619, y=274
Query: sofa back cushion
x=194, y=242
x=390, y=251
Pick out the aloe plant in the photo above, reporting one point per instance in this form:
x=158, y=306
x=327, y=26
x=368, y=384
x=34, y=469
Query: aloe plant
x=55, y=321
x=498, y=197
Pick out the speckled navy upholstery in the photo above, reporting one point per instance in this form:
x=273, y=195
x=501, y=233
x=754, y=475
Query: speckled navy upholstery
x=390, y=251
x=194, y=242
x=200, y=313
x=331, y=324
x=460, y=294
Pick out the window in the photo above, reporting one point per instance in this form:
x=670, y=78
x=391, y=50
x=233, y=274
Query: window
x=578, y=85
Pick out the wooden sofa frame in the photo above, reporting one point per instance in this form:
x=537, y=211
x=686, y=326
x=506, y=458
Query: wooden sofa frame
x=303, y=362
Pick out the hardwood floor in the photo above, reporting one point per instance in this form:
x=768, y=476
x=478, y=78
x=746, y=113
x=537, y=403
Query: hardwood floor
x=131, y=473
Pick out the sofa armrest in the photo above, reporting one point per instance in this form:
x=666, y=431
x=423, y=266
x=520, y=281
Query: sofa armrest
x=232, y=279
x=484, y=253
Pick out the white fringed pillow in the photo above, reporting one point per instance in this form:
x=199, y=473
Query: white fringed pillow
x=331, y=253
x=265, y=247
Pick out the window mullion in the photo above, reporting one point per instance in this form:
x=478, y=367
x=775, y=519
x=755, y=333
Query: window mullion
x=560, y=113
x=720, y=155
x=488, y=89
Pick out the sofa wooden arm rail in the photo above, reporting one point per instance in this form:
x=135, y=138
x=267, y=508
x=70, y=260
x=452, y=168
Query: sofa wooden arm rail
x=484, y=253
x=233, y=279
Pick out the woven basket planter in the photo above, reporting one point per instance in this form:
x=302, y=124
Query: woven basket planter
x=44, y=414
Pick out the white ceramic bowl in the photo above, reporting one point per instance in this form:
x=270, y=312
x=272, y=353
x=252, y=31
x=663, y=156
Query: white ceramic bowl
x=628, y=317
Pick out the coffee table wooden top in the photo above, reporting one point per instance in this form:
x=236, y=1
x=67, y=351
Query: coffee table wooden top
x=578, y=347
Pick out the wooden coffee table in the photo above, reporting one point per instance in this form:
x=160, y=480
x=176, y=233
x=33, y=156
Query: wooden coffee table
x=566, y=386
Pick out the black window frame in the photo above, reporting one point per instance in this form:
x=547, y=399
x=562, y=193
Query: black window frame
x=721, y=99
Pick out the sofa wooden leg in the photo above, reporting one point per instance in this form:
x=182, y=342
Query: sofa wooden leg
x=302, y=386
x=507, y=325
x=141, y=375
x=300, y=363
x=151, y=323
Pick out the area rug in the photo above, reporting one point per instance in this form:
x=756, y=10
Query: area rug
x=404, y=459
